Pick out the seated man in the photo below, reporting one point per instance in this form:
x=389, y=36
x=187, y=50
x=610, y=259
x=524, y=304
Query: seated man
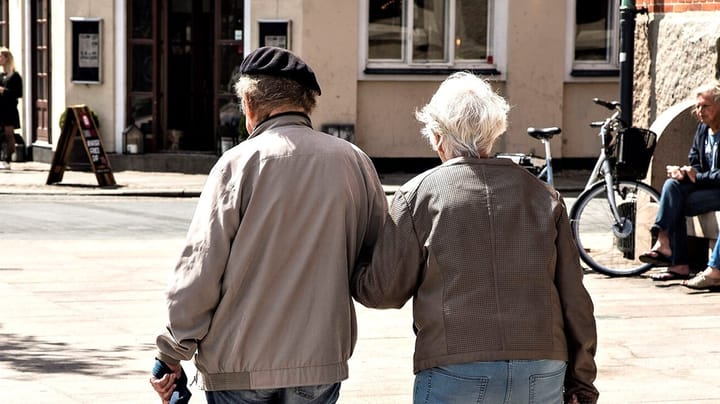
x=689, y=190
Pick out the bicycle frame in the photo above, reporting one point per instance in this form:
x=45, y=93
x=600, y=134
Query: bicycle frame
x=602, y=171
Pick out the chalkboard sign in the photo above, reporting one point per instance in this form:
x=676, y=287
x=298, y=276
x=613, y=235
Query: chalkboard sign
x=86, y=50
x=79, y=122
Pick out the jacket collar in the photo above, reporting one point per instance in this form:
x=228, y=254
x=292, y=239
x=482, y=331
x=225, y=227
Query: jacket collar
x=291, y=118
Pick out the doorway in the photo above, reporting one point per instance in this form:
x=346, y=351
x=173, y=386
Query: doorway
x=181, y=55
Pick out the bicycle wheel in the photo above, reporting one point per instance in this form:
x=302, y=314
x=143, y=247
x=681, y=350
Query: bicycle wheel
x=601, y=247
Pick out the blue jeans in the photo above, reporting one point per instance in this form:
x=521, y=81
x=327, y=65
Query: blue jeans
x=677, y=200
x=715, y=256
x=322, y=394
x=508, y=382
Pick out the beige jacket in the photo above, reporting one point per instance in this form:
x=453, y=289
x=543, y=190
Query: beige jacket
x=485, y=251
x=261, y=291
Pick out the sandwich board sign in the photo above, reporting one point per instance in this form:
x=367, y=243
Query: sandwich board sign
x=80, y=123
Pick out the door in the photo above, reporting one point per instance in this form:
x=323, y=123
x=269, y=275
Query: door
x=181, y=58
x=40, y=66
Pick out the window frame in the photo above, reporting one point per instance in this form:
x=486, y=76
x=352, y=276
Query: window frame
x=609, y=68
x=497, y=39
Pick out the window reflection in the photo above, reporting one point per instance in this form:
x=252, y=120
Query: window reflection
x=231, y=56
x=231, y=20
x=141, y=18
x=142, y=68
x=471, y=29
x=592, y=27
x=429, y=31
x=385, y=29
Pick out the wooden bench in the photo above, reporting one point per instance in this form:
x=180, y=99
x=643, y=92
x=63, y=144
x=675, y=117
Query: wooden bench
x=675, y=129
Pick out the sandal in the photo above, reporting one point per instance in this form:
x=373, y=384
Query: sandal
x=665, y=276
x=702, y=281
x=655, y=258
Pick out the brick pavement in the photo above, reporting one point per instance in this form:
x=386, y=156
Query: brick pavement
x=78, y=323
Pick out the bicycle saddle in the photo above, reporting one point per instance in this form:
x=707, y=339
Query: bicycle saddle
x=544, y=133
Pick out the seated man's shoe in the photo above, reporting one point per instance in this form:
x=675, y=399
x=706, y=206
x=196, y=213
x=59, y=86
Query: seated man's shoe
x=702, y=281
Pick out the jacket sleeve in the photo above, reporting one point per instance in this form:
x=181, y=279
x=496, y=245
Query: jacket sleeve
x=704, y=176
x=195, y=287
x=390, y=279
x=14, y=86
x=577, y=307
x=696, y=150
x=377, y=210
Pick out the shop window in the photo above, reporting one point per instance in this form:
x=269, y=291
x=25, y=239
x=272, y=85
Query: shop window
x=432, y=35
x=596, y=37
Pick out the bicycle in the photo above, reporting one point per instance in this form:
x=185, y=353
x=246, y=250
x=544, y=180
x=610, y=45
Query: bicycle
x=604, y=218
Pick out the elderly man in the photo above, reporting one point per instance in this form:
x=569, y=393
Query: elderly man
x=689, y=190
x=260, y=294
x=484, y=249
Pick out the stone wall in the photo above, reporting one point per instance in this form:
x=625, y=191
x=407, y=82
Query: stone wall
x=674, y=54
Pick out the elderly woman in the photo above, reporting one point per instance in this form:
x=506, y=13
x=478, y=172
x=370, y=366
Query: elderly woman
x=485, y=251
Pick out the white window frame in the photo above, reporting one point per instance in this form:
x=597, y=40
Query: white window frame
x=582, y=69
x=497, y=38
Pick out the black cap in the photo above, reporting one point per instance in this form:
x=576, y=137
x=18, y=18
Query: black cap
x=278, y=62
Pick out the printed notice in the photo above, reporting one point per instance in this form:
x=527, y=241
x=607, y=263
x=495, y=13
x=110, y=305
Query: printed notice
x=88, y=50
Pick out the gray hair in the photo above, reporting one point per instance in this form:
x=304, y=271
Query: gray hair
x=466, y=114
x=265, y=94
x=712, y=89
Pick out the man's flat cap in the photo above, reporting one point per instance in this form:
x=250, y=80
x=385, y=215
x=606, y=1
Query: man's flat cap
x=278, y=62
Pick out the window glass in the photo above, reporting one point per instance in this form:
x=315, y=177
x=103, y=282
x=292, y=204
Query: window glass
x=385, y=29
x=429, y=33
x=232, y=56
x=471, y=30
x=141, y=19
x=596, y=36
x=141, y=69
x=231, y=20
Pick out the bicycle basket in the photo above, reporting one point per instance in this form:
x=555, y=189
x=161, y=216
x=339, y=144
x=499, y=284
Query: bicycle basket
x=633, y=150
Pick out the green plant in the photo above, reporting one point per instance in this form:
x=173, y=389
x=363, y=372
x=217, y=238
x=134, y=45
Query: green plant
x=61, y=121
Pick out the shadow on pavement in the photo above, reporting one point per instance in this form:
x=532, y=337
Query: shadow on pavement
x=28, y=354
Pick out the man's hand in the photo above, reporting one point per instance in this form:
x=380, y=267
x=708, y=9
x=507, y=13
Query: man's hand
x=165, y=385
x=675, y=173
x=689, y=172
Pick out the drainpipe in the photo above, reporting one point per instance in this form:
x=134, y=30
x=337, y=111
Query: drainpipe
x=627, y=56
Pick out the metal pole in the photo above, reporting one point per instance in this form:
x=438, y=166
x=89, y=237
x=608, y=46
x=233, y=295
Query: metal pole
x=627, y=56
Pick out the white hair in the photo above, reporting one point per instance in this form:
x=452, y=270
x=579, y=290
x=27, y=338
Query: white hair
x=466, y=115
x=711, y=89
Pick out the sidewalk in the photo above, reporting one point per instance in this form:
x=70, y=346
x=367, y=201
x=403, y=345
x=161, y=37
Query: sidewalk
x=31, y=177
x=79, y=318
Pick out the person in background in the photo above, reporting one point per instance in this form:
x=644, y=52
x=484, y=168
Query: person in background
x=260, y=295
x=485, y=251
x=689, y=190
x=10, y=90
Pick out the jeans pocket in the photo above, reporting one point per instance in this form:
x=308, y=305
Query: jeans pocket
x=547, y=388
x=435, y=386
x=324, y=393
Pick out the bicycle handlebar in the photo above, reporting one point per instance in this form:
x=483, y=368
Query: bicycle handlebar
x=607, y=104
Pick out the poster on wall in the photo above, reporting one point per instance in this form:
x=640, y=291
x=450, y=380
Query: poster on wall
x=274, y=33
x=86, y=50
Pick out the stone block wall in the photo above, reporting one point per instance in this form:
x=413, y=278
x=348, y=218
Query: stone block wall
x=676, y=50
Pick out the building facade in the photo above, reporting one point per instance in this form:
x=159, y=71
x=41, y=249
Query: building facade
x=165, y=68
